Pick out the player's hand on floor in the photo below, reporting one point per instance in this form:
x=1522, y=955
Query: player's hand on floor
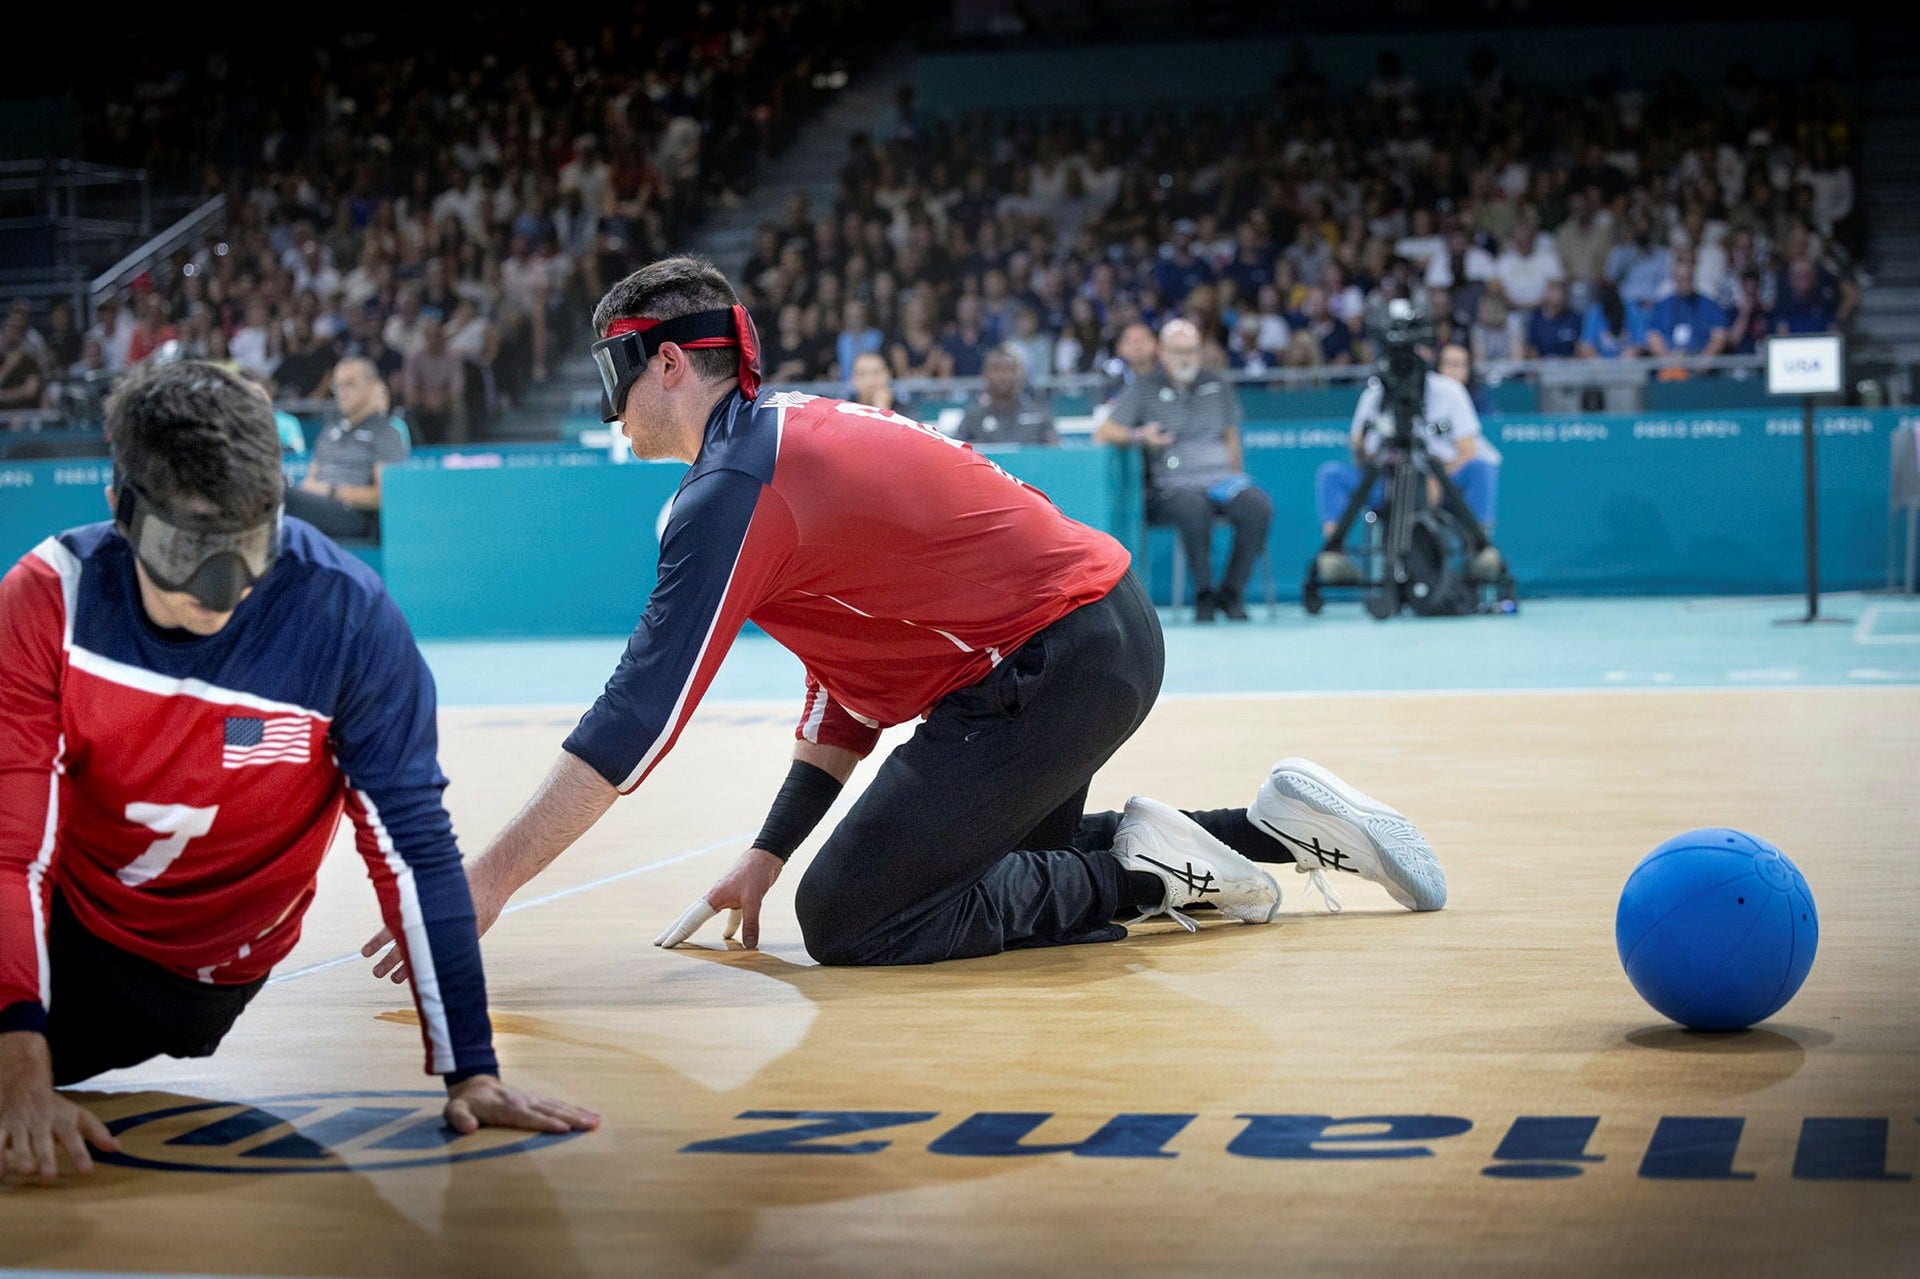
x=483, y=1101
x=739, y=892
x=36, y=1123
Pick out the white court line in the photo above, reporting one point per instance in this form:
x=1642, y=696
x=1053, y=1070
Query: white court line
x=1863, y=630
x=531, y=902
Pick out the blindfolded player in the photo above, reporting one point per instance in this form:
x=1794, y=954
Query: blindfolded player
x=190, y=697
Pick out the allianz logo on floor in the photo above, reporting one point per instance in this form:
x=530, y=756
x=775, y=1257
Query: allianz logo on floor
x=1532, y=1147
x=308, y=1133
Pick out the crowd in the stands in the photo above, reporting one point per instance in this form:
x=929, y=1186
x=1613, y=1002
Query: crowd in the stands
x=1610, y=221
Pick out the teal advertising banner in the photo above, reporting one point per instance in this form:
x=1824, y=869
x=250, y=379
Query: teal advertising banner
x=558, y=540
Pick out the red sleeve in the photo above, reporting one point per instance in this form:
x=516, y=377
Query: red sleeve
x=825, y=722
x=32, y=623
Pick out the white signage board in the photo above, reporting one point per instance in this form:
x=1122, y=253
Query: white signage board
x=1810, y=365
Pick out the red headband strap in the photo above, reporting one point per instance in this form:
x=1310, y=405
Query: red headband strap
x=745, y=337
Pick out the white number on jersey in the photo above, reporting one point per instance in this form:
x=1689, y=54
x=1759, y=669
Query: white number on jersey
x=888, y=415
x=178, y=823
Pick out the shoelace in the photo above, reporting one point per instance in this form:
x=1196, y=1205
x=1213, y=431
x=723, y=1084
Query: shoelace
x=1317, y=880
x=1178, y=918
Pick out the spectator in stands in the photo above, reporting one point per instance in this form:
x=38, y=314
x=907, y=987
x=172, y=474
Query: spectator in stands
x=1639, y=268
x=1495, y=335
x=1080, y=347
x=63, y=338
x=1527, y=266
x=1460, y=267
x=366, y=337
x=966, y=343
x=255, y=344
x=1005, y=413
x=433, y=386
x=1136, y=354
x=154, y=330
x=113, y=329
x=1614, y=329
x=306, y=373
x=1553, y=331
x=794, y=354
x=1034, y=347
x=1583, y=242
x=917, y=351
x=1803, y=307
x=1187, y=419
x=472, y=337
x=1334, y=339
x=873, y=384
x=856, y=337
x=23, y=383
x=1686, y=321
x=340, y=495
x=527, y=283
x=1752, y=320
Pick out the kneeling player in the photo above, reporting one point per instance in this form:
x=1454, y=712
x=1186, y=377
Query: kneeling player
x=190, y=696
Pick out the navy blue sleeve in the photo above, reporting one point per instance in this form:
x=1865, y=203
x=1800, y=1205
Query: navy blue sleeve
x=388, y=747
x=724, y=541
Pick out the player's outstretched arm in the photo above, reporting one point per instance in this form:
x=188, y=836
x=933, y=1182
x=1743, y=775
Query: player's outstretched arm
x=36, y=1122
x=564, y=807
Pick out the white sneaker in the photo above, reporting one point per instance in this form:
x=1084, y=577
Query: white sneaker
x=1194, y=866
x=1328, y=825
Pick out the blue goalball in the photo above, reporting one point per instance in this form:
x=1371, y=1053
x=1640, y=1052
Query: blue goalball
x=1716, y=929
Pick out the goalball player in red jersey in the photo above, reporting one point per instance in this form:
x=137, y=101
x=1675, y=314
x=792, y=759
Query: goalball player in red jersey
x=190, y=697
x=915, y=580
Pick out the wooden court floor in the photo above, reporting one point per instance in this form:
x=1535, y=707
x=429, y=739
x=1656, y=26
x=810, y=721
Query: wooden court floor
x=1473, y=1092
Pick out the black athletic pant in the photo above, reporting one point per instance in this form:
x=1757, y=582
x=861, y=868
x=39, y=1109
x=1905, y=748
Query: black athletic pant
x=1192, y=512
x=962, y=846
x=335, y=519
x=111, y=1009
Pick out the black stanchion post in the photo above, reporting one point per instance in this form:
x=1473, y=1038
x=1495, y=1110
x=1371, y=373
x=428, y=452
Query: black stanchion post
x=1813, y=509
x=1808, y=366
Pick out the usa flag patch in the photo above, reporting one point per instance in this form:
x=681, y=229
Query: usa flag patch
x=282, y=739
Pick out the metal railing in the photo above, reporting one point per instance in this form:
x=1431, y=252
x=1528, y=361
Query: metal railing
x=208, y=218
x=1559, y=373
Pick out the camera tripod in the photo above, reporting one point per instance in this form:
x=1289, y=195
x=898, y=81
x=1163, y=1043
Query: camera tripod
x=1409, y=574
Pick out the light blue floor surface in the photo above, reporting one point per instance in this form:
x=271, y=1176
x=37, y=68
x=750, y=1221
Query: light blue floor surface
x=1720, y=642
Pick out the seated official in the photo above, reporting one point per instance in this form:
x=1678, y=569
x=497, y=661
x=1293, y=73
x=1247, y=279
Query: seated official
x=1449, y=426
x=341, y=494
x=1187, y=419
x=1005, y=413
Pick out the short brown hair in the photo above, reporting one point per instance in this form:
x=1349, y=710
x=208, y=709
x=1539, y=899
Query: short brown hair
x=193, y=430
x=667, y=290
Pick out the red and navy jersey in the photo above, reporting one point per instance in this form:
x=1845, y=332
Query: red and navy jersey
x=896, y=563
x=179, y=791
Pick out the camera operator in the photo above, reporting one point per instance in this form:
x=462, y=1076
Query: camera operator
x=1446, y=430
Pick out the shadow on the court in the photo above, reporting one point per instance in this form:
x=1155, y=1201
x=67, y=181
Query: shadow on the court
x=1671, y=1063
x=1791, y=1041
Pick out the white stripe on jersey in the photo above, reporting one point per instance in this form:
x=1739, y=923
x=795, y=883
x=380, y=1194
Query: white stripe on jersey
x=667, y=729
x=37, y=873
x=426, y=985
x=165, y=686
x=816, y=713
x=54, y=553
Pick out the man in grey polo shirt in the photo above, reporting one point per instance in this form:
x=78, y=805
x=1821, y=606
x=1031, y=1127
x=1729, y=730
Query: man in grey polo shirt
x=341, y=494
x=1188, y=421
x=1004, y=413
